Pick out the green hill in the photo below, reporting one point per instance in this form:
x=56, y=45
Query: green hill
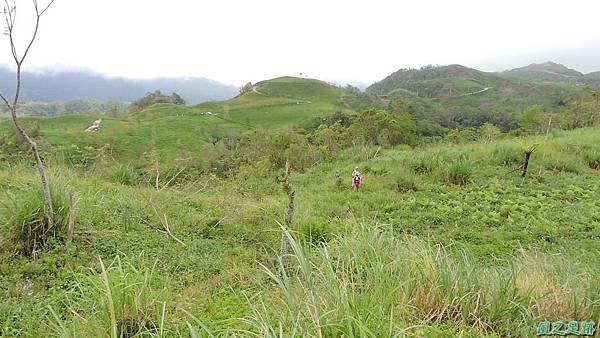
x=548, y=71
x=557, y=73
x=457, y=96
x=178, y=131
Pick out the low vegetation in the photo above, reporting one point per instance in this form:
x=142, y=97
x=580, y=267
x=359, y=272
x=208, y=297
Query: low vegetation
x=177, y=217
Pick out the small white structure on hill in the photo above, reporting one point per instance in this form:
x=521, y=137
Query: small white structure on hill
x=95, y=126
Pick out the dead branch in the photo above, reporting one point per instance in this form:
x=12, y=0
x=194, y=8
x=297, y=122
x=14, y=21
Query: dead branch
x=10, y=14
x=165, y=223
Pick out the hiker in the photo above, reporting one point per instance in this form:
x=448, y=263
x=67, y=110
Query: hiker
x=356, y=179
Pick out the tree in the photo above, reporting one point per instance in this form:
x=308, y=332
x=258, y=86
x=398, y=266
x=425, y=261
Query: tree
x=247, y=88
x=10, y=13
x=155, y=97
x=530, y=119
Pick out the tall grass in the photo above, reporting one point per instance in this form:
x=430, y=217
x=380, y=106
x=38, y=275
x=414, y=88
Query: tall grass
x=508, y=154
x=458, y=171
x=122, y=300
x=373, y=284
x=591, y=156
x=26, y=218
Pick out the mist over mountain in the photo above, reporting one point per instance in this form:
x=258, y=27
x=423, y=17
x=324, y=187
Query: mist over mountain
x=69, y=85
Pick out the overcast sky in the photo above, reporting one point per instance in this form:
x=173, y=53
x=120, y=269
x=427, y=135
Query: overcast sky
x=235, y=41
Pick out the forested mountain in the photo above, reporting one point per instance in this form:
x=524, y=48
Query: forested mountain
x=456, y=96
x=64, y=86
x=554, y=72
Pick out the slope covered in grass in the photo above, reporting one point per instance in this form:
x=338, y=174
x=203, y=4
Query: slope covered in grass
x=200, y=255
x=176, y=131
x=280, y=102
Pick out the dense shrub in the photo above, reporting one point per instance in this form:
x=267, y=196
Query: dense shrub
x=26, y=221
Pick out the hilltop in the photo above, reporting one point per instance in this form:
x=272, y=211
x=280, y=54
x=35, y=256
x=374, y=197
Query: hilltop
x=547, y=71
x=555, y=72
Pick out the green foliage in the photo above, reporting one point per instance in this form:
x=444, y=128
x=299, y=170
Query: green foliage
x=14, y=146
x=317, y=231
x=459, y=136
x=122, y=300
x=425, y=163
x=82, y=157
x=562, y=163
x=458, y=171
x=591, y=156
x=26, y=219
x=156, y=97
x=406, y=181
x=508, y=154
x=383, y=128
x=531, y=119
x=352, y=288
x=124, y=174
x=489, y=132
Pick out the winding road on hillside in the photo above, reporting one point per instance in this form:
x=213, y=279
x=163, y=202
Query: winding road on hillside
x=473, y=93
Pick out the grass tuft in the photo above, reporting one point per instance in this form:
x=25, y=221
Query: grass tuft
x=508, y=154
x=25, y=217
x=458, y=172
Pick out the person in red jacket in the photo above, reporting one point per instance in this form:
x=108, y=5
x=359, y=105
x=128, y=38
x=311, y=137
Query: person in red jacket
x=356, y=179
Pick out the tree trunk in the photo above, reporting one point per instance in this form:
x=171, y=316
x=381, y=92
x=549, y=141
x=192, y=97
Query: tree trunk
x=49, y=209
x=526, y=164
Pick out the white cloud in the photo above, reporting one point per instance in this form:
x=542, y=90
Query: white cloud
x=236, y=41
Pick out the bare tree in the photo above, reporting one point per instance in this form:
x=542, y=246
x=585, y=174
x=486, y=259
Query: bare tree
x=10, y=15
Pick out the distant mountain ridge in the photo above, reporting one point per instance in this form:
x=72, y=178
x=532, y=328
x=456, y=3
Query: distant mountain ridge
x=555, y=72
x=64, y=86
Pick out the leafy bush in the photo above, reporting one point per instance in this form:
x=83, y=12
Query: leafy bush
x=508, y=154
x=25, y=217
x=458, y=172
x=591, y=156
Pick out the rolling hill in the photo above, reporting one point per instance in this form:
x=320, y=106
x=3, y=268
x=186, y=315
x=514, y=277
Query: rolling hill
x=179, y=131
x=554, y=72
x=455, y=95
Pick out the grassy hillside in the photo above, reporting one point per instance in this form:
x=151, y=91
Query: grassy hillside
x=179, y=132
x=441, y=241
x=280, y=102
